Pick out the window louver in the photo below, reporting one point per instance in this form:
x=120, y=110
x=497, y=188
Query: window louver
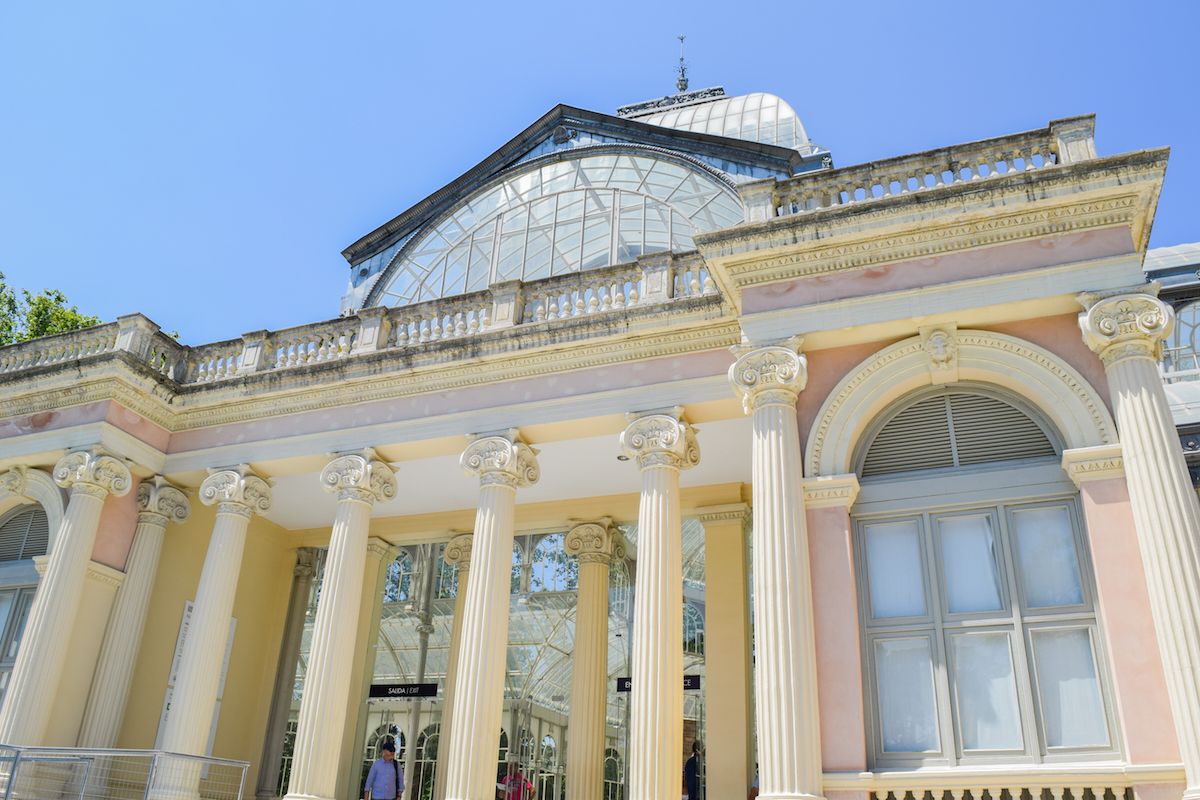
x=954, y=429
x=25, y=534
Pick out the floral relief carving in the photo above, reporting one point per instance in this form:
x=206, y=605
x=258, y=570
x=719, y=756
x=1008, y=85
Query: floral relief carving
x=941, y=348
x=1127, y=326
x=161, y=502
x=13, y=481
x=772, y=375
x=236, y=491
x=360, y=477
x=502, y=460
x=94, y=473
x=661, y=440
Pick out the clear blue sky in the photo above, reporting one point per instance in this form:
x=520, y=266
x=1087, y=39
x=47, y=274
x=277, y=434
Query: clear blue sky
x=205, y=163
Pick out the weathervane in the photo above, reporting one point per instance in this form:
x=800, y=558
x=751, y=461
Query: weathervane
x=682, y=82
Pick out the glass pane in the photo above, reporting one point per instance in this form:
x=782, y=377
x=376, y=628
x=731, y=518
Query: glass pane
x=988, y=716
x=969, y=567
x=1046, y=552
x=906, y=706
x=897, y=582
x=1072, y=710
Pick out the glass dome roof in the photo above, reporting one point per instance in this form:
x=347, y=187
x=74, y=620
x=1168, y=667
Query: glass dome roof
x=601, y=206
x=757, y=117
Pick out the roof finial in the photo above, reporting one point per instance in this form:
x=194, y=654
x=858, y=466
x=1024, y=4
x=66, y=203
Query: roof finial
x=681, y=83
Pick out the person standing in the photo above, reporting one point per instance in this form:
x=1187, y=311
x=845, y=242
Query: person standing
x=385, y=781
x=691, y=773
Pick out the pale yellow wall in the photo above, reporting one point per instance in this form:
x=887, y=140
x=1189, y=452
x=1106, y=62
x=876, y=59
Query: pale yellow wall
x=259, y=607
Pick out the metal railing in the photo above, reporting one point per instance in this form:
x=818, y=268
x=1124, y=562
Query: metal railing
x=62, y=773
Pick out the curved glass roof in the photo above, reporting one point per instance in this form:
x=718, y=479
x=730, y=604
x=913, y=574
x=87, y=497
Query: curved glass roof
x=558, y=216
x=757, y=117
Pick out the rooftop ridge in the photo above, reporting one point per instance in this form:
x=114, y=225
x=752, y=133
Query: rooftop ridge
x=671, y=101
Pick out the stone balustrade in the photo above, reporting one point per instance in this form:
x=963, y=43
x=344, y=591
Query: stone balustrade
x=1062, y=142
x=656, y=278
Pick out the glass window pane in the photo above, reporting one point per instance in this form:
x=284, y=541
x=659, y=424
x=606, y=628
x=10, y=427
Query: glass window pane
x=969, y=564
x=1046, y=553
x=894, y=572
x=906, y=707
x=986, y=689
x=1072, y=710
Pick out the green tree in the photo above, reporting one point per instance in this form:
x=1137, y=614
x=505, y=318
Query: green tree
x=36, y=315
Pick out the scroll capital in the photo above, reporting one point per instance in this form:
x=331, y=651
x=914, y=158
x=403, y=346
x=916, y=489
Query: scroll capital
x=661, y=440
x=360, y=477
x=161, y=502
x=1125, y=326
x=502, y=459
x=236, y=490
x=93, y=472
x=457, y=552
x=771, y=375
x=595, y=542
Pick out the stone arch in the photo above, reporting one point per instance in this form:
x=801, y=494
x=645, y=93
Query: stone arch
x=1040, y=377
x=41, y=489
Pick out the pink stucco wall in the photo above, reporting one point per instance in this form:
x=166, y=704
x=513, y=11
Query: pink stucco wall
x=1140, y=687
x=114, y=537
x=835, y=622
x=975, y=262
x=86, y=414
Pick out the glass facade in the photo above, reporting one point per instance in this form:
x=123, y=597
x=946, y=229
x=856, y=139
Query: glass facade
x=757, y=117
x=586, y=212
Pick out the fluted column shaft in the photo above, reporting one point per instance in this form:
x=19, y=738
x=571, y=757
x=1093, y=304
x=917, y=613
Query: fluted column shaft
x=1126, y=332
x=503, y=463
x=593, y=544
x=285, y=674
x=41, y=660
x=358, y=481
x=457, y=554
x=159, y=503
x=238, y=494
x=663, y=444
x=785, y=670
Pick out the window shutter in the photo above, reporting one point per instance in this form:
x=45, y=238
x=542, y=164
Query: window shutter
x=987, y=429
x=25, y=534
x=917, y=438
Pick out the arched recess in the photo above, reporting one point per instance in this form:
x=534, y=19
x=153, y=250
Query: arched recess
x=42, y=489
x=1043, y=379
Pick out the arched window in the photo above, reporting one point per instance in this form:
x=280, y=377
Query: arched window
x=502, y=757
x=976, y=599
x=1181, y=352
x=399, y=587
x=425, y=766
x=552, y=570
x=614, y=775
x=620, y=590
x=693, y=630
x=24, y=533
x=549, y=784
x=447, y=580
x=558, y=215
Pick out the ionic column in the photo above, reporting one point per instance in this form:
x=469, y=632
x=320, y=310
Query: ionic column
x=1127, y=332
x=158, y=503
x=358, y=480
x=663, y=444
x=594, y=544
x=91, y=476
x=457, y=553
x=502, y=463
x=238, y=494
x=285, y=673
x=785, y=671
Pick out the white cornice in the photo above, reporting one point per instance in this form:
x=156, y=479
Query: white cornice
x=1085, y=464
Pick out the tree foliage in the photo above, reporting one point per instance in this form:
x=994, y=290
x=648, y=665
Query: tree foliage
x=33, y=315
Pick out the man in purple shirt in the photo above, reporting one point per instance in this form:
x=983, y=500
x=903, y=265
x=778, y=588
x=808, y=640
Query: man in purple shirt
x=385, y=781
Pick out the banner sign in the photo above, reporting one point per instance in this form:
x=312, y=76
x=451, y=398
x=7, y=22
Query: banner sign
x=404, y=690
x=691, y=683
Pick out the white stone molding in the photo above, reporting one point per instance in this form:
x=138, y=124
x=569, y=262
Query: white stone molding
x=728, y=512
x=502, y=459
x=97, y=573
x=159, y=503
x=236, y=490
x=1042, y=378
x=21, y=483
x=1126, y=331
x=91, y=476
x=1126, y=326
x=661, y=439
x=941, y=348
x=772, y=374
x=830, y=491
x=1093, y=463
x=360, y=477
x=358, y=480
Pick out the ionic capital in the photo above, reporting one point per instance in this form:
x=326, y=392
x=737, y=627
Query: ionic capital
x=13, y=481
x=359, y=477
x=595, y=542
x=93, y=473
x=661, y=440
x=457, y=552
x=306, y=562
x=159, y=502
x=772, y=375
x=502, y=459
x=1126, y=326
x=236, y=490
